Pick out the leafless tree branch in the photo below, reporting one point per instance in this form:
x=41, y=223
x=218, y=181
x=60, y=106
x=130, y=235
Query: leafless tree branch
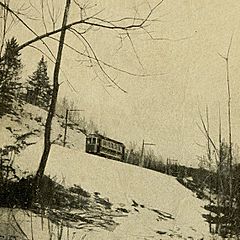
x=88, y=21
x=97, y=61
x=230, y=155
x=42, y=16
x=27, y=26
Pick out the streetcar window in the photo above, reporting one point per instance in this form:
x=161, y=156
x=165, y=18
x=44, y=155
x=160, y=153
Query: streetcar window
x=88, y=140
x=93, y=140
x=98, y=140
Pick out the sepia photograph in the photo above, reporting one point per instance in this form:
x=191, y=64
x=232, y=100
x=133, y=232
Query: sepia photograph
x=119, y=119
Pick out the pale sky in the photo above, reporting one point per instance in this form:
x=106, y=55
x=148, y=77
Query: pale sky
x=186, y=74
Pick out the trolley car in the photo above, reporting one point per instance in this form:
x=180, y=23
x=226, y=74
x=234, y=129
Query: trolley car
x=100, y=145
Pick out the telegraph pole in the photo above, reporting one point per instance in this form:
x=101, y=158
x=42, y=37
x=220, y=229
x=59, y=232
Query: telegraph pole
x=172, y=166
x=65, y=130
x=66, y=122
x=141, y=163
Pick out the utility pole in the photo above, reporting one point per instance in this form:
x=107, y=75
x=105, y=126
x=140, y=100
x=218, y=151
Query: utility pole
x=141, y=163
x=172, y=166
x=167, y=168
x=66, y=122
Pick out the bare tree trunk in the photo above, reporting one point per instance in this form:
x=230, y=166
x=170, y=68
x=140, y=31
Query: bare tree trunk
x=51, y=112
x=229, y=132
x=219, y=180
x=210, y=169
x=4, y=26
x=229, y=135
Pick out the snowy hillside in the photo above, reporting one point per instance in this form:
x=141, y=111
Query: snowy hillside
x=152, y=205
x=28, y=127
x=159, y=207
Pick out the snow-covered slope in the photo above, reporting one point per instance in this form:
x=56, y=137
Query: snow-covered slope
x=159, y=207
x=156, y=205
x=28, y=127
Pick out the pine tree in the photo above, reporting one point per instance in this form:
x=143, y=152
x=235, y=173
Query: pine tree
x=39, y=89
x=10, y=69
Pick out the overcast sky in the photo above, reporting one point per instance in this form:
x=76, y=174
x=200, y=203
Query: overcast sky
x=186, y=73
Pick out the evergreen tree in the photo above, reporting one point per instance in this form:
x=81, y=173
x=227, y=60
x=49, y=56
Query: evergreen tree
x=39, y=89
x=10, y=69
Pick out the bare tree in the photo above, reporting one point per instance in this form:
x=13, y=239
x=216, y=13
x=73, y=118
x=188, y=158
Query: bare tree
x=219, y=152
x=4, y=16
x=51, y=111
x=219, y=172
x=206, y=132
x=87, y=22
x=230, y=155
x=209, y=154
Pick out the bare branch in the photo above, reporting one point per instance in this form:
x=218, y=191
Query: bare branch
x=134, y=49
x=89, y=21
x=228, y=49
x=42, y=52
x=92, y=21
x=27, y=26
x=230, y=156
x=32, y=5
x=42, y=16
x=103, y=62
x=4, y=31
x=53, y=16
x=230, y=45
x=53, y=61
x=98, y=62
x=206, y=133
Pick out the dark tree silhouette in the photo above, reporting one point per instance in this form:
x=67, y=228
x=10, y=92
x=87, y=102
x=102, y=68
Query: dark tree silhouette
x=10, y=69
x=39, y=88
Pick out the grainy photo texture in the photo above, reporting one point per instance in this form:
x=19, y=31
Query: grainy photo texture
x=119, y=119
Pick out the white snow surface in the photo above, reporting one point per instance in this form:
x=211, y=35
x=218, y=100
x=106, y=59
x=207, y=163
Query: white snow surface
x=123, y=183
x=32, y=119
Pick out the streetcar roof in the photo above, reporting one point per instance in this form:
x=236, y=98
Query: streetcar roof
x=103, y=137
